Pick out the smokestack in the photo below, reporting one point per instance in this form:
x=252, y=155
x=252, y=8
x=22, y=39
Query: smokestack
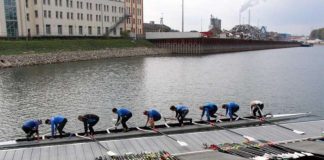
x=240, y=18
x=249, y=16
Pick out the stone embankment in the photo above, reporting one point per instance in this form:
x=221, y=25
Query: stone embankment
x=59, y=57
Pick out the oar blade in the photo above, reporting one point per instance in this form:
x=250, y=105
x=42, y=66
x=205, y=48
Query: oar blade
x=108, y=131
x=299, y=132
x=183, y=144
x=249, y=138
x=111, y=153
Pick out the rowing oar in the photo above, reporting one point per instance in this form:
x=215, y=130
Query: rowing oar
x=294, y=130
x=244, y=136
x=181, y=143
x=165, y=122
x=109, y=152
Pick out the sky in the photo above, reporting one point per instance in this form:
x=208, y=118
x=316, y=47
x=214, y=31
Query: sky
x=297, y=17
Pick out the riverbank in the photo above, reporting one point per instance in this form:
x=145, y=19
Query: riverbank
x=20, y=47
x=66, y=56
x=23, y=53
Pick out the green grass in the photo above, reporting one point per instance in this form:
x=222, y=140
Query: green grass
x=55, y=45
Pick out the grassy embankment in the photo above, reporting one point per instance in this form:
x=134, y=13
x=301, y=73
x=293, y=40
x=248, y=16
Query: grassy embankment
x=45, y=46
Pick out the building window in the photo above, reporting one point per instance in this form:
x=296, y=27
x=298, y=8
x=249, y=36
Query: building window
x=61, y=15
x=49, y=2
x=37, y=29
x=49, y=14
x=81, y=5
x=57, y=14
x=77, y=4
x=71, y=15
x=48, y=29
x=27, y=16
x=90, y=30
x=35, y=2
x=71, y=4
x=67, y=3
x=90, y=6
x=98, y=31
x=67, y=15
x=59, y=29
x=107, y=30
x=80, y=30
x=26, y=3
x=120, y=31
x=81, y=16
x=60, y=2
x=36, y=14
x=70, y=30
x=45, y=13
x=44, y=2
x=78, y=16
x=56, y=3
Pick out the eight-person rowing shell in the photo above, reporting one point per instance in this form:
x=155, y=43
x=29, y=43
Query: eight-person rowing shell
x=209, y=110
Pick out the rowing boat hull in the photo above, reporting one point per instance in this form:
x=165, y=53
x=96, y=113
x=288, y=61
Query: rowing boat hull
x=134, y=132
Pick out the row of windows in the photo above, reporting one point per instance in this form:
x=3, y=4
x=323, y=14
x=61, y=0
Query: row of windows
x=70, y=15
x=79, y=4
x=129, y=11
x=48, y=30
x=134, y=1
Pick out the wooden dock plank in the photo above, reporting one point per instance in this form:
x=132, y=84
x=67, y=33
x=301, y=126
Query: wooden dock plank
x=70, y=149
x=44, y=153
x=18, y=155
x=150, y=145
x=79, y=152
x=27, y=154
x=62, y=153
x=36, y=153
x=3, y=154
x=53, y=153
x=10, y=155
x=87, y=151
x=97, y=150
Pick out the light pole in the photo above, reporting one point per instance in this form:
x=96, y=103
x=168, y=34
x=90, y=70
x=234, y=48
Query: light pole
x=182, y=16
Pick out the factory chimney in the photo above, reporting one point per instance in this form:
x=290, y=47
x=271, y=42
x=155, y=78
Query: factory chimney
x=249, y=16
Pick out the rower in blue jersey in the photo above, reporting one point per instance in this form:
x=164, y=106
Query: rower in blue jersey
x=89, y=120
x=152, y=116
x=209, y=109
x=57, y=123
x=231, y=109
x=30, y=127
x=123, y=115
x=181, y=113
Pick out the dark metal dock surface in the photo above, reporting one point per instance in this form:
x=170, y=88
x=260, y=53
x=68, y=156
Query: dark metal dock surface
x=90, y=150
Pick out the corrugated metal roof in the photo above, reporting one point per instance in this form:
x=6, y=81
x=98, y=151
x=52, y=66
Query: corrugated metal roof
x=91, y=150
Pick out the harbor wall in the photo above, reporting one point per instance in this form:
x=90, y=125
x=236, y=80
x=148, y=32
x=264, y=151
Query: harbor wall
x=211, y=45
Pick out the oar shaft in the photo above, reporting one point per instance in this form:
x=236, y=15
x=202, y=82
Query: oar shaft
x=165, y=135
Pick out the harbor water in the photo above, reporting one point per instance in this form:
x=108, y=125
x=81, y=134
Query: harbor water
x=287, y=80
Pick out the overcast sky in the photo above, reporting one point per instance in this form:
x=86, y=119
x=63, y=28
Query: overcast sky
x=285, y=16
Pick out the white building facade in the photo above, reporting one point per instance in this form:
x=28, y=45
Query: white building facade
x=59, y=18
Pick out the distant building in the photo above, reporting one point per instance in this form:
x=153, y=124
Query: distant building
x=215, y=23
x=53, y=18
x=152, y=27
x=215, y=26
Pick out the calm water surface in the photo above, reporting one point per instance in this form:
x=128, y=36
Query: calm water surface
x=287, y=80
